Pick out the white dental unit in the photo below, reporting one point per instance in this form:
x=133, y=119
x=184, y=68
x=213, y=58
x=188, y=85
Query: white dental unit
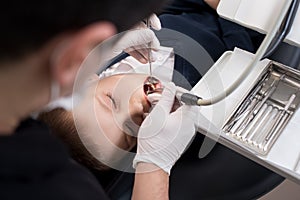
x=260, y=119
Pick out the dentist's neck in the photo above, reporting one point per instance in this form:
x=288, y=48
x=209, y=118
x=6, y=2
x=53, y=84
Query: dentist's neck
x=24, y=88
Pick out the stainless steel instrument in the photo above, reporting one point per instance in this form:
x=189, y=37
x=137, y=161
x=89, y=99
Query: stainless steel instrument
x=266, y=110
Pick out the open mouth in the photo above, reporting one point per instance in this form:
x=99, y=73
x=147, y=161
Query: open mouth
x=152, y=85
x=152, y=89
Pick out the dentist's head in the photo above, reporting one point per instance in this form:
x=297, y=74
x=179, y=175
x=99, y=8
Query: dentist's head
x=43, y=44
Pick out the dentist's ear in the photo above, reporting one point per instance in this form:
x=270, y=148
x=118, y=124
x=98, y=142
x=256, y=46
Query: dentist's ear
x=73, y=49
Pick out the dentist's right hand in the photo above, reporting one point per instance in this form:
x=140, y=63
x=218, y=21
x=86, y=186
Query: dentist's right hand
x=163, y=136
x=136, y=42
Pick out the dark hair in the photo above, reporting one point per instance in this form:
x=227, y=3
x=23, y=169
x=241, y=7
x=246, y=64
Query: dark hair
x=27, y=25
x=62, y=125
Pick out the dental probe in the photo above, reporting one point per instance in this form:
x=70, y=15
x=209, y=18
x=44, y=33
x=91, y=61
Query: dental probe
x=149, y=49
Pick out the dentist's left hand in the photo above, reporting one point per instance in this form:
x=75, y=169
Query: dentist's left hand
x=136, y=41
x=163, y=136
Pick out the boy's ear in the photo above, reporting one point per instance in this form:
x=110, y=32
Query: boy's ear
x=71, y=52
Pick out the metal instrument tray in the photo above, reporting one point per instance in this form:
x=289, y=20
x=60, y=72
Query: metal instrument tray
x=260, y=119
x=267, y=108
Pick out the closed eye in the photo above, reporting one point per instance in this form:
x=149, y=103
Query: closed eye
x=112, y=100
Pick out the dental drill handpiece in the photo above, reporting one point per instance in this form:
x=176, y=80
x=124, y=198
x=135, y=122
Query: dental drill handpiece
x=153, y=85
x=186, y=97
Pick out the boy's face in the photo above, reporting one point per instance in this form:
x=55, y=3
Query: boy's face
x=120, y=107
x=119, y=104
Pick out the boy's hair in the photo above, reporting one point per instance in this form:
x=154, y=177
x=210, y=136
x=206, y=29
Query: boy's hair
x=62, y=125
x=27, y=25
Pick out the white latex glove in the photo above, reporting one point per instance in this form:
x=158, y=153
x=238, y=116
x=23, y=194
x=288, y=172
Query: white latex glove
x=163, y=137
x=136, y=41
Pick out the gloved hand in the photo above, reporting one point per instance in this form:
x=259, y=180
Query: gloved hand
x=163, y=136
x=137, y=41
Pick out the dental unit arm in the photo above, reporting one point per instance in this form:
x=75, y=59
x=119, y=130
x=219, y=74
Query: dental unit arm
x=285, y=19
x=261, y=52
